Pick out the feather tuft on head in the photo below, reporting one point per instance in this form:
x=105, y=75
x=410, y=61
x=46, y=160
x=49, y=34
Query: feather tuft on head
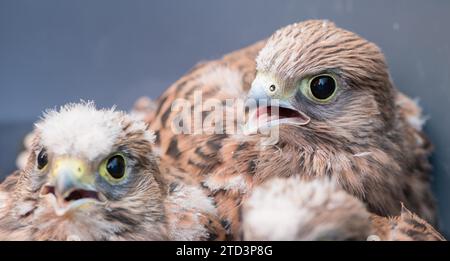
x=83, y=130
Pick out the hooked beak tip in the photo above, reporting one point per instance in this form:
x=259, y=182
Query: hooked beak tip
x=70, y=186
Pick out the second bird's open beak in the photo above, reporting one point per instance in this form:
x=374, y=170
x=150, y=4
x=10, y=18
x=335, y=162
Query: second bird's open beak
x=70, y=185
x=271, y=108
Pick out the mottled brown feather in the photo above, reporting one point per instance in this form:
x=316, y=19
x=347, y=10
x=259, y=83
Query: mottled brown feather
x=396, y=170
x=149, y=207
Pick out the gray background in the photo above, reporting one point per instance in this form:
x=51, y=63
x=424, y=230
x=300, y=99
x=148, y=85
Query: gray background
x=55, y=51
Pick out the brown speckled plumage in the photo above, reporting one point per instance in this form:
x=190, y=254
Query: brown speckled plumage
x=405, y=227
x=144, y=206
x=292, y=209
x=364, y=138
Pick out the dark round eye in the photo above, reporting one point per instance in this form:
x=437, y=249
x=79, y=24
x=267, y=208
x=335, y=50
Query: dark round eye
x=42, y=159
x=322, y=87
x=116, y=166
x=272, y=88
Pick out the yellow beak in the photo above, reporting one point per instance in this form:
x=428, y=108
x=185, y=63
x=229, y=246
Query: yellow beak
x=71, y=185
x=273, y=105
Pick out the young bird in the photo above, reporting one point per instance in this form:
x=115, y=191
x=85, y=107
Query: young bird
x=340, y=117
x=93, y=175
x=292, y=209
x=335, y=89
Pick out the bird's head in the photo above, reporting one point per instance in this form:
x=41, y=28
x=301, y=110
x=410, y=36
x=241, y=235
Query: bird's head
x=94, y=170
x=324, y=79
x=296, y=209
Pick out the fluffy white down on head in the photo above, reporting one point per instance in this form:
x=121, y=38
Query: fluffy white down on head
x=80, y=129
x=292, y=209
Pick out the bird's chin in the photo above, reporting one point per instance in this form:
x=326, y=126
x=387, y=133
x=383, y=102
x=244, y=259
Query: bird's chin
x=264, y=119
x=69, y=205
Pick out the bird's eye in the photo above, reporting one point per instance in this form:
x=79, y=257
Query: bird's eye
x=321, y=88
x=272, y=88
x=113, y=168
x=42, y=159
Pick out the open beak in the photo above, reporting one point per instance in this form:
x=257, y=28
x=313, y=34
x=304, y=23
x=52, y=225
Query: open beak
x=270, y=110
x=70, y=186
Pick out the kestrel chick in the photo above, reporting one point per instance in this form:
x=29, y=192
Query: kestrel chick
x=92, y=175
x=337, y=105
x=341, y=117
x=292, y=209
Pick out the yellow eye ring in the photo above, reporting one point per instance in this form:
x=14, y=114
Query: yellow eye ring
x=113, y=168
x=321, y=88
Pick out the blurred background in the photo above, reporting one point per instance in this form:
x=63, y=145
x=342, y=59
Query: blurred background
x=114, y=51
